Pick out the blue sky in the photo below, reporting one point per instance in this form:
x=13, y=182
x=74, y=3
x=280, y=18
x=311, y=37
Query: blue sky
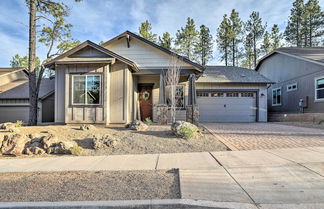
x=98, y=20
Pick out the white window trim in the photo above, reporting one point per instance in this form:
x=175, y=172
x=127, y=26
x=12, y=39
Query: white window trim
x=292, y=84
x=85, y=103
x=315, y=88
x=275, y=89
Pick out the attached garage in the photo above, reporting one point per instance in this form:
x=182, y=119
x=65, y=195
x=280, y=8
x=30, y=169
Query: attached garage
x=232, y=94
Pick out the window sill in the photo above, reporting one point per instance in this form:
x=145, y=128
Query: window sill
x=276, y=105
x=318, y=100
x=89, y=106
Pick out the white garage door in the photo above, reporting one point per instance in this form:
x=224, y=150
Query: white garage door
x=227, y=106
x=12, y=114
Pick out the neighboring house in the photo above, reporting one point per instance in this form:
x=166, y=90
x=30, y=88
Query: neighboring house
x=14, y=97
x=299, y=88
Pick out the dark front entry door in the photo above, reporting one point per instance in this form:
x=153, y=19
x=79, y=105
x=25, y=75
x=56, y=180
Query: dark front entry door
x=145, y=100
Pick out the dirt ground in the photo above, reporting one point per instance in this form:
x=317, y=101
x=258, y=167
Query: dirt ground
x=157, y=139
x=78, y=186
x=303, y=124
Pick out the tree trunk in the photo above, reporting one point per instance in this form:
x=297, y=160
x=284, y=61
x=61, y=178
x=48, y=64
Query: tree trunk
x=233, y=53
x=254, y=50
x=33, y=93
x=297, y=35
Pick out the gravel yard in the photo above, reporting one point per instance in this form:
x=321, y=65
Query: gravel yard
x=78, y=186
x=157, y=139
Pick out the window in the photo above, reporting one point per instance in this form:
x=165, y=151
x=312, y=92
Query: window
x=86, y=89
x=319, y=89
x=202, y=94
x=276, y=96
x=179, y=96
x=217, y=94
x=232, y=94
x=292, y=87
x=247, y=94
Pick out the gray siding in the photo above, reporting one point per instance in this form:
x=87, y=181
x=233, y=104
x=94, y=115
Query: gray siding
x=287, y=70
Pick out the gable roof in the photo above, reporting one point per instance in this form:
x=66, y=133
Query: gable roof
x=230, y=74
x=19, y=89
x=309, y=54
x=167, y=51
x=87, y=43
x=8, y=70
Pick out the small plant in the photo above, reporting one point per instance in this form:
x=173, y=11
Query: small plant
x=320, y=122
x=76, y=150
x=188, y=133
x=19, y=123
x=148, y=121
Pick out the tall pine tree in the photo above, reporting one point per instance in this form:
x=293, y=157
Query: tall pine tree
x=294, y=30
x=313, y=23
x=186, y=39
x=145, y=30
x=255, y=27
x=235, y=31
x=248, y=51
x=275, y=37
x=266, y=44
x=204, y=46
x=223, y=39
x=166, y=40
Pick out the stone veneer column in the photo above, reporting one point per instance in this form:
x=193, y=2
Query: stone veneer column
x=162, y=114
x=192, y=114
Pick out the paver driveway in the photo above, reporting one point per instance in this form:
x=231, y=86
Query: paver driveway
x=251, y=136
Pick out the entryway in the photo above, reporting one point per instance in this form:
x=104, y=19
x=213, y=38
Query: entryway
x=145, y=101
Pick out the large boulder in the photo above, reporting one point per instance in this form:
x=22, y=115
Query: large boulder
x=60, y=148
x=184, y=129
x=137, y=125
x=14, y=144
x=106, y=140
x=48, y=141
x=86, y=127
x=34, y=147
x=7, y=126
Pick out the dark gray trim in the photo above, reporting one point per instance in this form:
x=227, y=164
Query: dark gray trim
x=158, y=71
x=239, y=90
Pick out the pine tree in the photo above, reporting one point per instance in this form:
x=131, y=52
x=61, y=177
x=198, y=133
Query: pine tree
x=186, y=39
x=255, y=27
x=275, y=37
x=313, y=23
x=223, y=38
x=204, y=46
x=266, y=44
x=294, y=30
x=145, y=30
x=236, y=25
x=165, y=41
x=248, y=51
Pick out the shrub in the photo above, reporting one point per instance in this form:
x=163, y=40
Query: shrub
x=148, y=121
x=19, y=123
x=188, y=133
x=184, y=129
x=76, y=150
x=321, y=121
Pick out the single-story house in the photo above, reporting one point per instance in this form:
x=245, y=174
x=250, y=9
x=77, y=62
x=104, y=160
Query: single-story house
x=14, y=96
x=298, y=92
x=124, y=79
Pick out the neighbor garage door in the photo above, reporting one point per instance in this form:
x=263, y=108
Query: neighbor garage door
x=222, y=106
x=12, y=114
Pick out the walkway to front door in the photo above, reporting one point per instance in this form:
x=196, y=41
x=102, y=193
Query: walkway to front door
x=145, y=100
x=253, y=136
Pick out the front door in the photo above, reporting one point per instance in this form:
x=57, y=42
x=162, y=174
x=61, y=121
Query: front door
x=145, y=100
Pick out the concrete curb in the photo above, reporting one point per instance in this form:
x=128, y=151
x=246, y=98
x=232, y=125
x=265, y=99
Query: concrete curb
x=128, y=203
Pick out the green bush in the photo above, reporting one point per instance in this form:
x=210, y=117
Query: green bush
x=321, y=121
x=188, y=132
x=148, y=121
x=76, y=150
x=19, y=123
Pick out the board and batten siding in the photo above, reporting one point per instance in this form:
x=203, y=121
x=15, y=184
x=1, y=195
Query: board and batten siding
x=286, y=70
x=144, y=55
x=263, y=116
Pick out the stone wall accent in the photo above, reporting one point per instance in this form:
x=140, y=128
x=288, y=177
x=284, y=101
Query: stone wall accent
x=161, y=114
x=192, y=117
x=296, y=117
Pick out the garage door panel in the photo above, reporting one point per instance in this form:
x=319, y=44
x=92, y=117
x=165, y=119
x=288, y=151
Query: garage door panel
x=12, y=114
x=227, y=109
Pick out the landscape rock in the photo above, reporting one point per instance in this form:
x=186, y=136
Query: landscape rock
x=104, y=141
x=137, y=125
x=184, y=129
x=49, y=140
x=85, y=127
x=34, y=147
x=14, y=144
x=7, y=126
x=60, y=148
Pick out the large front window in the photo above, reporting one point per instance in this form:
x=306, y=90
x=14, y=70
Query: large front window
x=86, y=89
x=276, y=96
x=319, y=88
